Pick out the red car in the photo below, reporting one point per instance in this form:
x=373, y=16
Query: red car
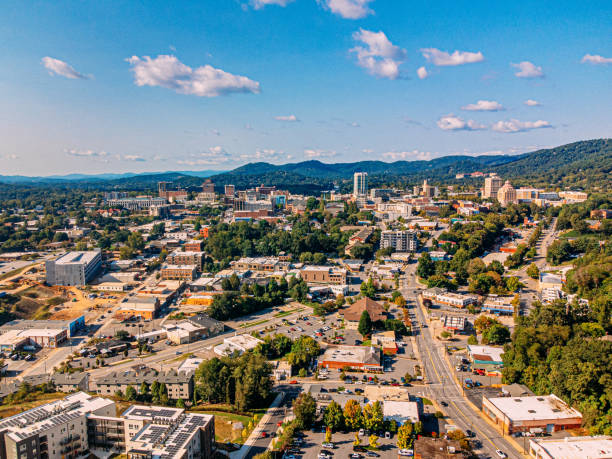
x=264, y=434
x=293, y=381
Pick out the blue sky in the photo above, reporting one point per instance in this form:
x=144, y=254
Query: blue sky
x=113, y=86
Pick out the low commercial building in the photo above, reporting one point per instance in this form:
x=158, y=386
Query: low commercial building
x=498, y=305
x=179, y=272
x=202, y=298
x=40, y=337
x=353, y=313
x=323, y=275
x=599, y=447
x=386, y=340
x=72, y=326
x=112, y=287
x=537, y=414
x=442, y=296
x=401, y=412
x=485, y=355
x=453, y=323
x=364, y=358
x=145, y=307
x=265, y=264
x=73, y=268
x=239, y=344
x=550, y=280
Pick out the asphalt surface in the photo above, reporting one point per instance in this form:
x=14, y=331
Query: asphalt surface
x=442, y=387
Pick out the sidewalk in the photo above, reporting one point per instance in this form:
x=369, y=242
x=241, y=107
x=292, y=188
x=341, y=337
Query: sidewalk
x=256, y=433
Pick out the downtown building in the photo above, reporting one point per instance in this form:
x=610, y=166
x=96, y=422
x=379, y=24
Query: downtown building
x=399, y=241
x=73, y=268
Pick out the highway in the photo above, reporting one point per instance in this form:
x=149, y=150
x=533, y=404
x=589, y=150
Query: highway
x=441, y=386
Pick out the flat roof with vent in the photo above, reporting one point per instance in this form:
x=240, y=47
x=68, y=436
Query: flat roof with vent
x=534, y=408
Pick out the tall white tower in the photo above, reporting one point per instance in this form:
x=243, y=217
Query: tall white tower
x=360, y=184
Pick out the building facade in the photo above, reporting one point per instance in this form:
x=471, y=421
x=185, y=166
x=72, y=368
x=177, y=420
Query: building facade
x=399, y=241
x=491, y=187
x=73, y=268
x=360, y=184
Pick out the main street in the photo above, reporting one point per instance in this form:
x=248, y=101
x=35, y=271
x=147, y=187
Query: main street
x=441, y=386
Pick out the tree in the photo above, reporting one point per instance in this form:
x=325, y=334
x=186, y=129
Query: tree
x=558, y=252
x=180, y=403
x=426, y=266
x=130, y=393
x=304, y=409
x=373, y=441
x=328, y=435
x=472, y=340
x=353, y=416
x=513, y=284
x=357, y=440
x=405, y=436
x=497, y=334
x=373, y=416
x=303, y=350
x=367, y=288
x=333, y=417
x=533, y=271
x=144, y=388
x=365, y=324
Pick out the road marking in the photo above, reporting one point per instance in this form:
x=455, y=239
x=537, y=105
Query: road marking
x=473, y=425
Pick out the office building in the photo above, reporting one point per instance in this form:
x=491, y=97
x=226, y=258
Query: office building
x=360, y=184
x=363, y=358
x=144, y=307
x=73, y=268
x=323, y=275
x=186, y=258
x=179, y=272
x=491, y=187
x=507, y=194
x=139, y=203
x=399, y=241
x=230, y=191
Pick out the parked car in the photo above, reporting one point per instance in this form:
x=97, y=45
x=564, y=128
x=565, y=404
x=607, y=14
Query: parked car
x=406, y=452
x=501, y=454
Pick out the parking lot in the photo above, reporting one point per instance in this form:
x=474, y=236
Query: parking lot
x=343, y=445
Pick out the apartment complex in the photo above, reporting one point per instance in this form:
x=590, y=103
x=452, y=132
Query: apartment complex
x=186, y=258
x=73, y=268
x=399, y=241
x=179, y=272
x=179, y=385
x=491, y=187
x=323, y=275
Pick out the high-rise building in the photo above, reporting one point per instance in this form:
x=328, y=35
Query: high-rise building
x=360, y=184
x=230, y=191
x=208, y=186
x=400, y=241
x=491, y=187
x=506, y=194
x=428, y=190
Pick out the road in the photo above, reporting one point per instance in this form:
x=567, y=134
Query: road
x=441, y=385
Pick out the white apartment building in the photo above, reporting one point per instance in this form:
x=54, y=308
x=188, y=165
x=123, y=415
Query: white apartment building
x=400, y=241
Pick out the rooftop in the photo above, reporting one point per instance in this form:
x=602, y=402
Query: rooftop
x=534, y=408
x=77, y=258
x=351, y=354
x=599, y=447
x=486, y=353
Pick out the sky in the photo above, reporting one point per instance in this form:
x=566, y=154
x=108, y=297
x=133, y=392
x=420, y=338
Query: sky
x=136, y=86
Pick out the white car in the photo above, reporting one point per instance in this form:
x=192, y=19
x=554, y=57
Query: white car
x=361, y=433
x=406, y=452
x=323, y=455
x=326, y=444
x=501, y=454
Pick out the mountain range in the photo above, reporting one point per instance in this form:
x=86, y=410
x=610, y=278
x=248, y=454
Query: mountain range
x=585, y=164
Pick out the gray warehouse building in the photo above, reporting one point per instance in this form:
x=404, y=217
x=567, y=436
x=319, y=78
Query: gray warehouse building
x=74, y=268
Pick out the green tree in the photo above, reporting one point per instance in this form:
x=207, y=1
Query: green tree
x=472, y=340
x=180, y=403
x=130, y=393
x=533, y=271
x=365, y=324
x=497, y=334
x=333, y=417
x=373, y=416
x=426, y=266
x=303, y=351
x=367, y=288
x=304, y=409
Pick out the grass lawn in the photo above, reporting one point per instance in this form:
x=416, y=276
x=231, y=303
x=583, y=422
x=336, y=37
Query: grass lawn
x=426, y=401
x=18, y=407
x=367, y=342
x=252, y=324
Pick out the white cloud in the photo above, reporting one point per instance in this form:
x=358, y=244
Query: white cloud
x=289, y=118
x=136, y=158
x=528, y=69
x=596, y=59
x=86, y=153
x=57, y=67
x=266, y=154
x=349, y=9
x=206, y=81
x=413, y=155
x=532, y=103
x=213, y=156
x=259, y=4
x=379, y=57
x=484, y=106
x=454, y=123
x=442, y=58
x=422, y=73
x=312, y=154
x=513, y=125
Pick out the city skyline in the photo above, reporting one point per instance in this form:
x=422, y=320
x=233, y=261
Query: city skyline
x=93, y=88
